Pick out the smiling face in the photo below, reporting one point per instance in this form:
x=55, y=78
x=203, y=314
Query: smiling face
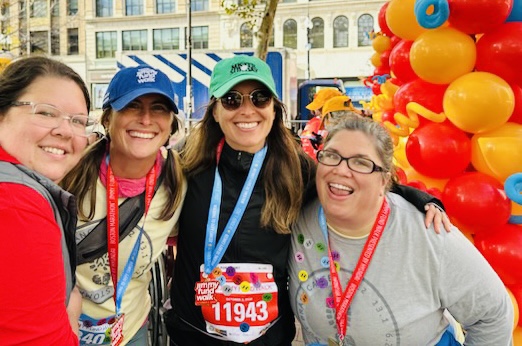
x=349, y=198
x=247, y=127
x=139, y=130
x=51, y=152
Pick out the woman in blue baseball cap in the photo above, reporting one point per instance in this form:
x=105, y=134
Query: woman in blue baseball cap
x=129, y=198
x=247, y=180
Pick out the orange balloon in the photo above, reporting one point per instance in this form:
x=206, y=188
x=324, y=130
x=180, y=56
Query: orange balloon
x=441, y=55
x=515, y=307
x=517, y=336
x=381, y=43
x=402, y=21
x=376, y=59
x=478, y=102
x=493, y=152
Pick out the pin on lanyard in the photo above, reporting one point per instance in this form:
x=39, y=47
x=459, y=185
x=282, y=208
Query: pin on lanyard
x=113, y=233
x=214, y=253
x=342, y=300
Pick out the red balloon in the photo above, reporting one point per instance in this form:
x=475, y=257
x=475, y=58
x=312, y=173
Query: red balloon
x=400, y=61
x=501, y=247
x=376, y=88
x=385, y=58
x=478, y=16
x=439, y=150
x=500, y=52
x=395, y=40
x=516, y=117
x=477, y=201
x=381, y=18
x=426, y=94
x=388, y=115
x=401, y=175
x=419, y=185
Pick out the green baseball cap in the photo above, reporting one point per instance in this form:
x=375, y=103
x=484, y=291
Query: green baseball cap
x=231, y=71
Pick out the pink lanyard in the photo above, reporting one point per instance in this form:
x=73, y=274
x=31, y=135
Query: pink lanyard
x=343, y=301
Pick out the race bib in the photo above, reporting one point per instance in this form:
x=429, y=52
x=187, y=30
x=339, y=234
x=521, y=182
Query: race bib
x=105, y=331
x=238, y=301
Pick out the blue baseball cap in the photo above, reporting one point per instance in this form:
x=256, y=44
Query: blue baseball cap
x=132, y=82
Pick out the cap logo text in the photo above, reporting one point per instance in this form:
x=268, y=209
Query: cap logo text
x=243, y=67
x=146, y=75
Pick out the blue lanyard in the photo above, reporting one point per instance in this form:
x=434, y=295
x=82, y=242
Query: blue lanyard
x=214, y=253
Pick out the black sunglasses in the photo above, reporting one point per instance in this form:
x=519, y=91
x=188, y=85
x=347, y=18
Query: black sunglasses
x=234, y=99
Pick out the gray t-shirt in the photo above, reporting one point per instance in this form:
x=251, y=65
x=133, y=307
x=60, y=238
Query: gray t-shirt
x=415, y=274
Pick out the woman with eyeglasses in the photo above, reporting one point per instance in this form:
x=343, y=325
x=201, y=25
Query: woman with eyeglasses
x=364, y=272
x=118, y=244
x=44, y=125
x=247, y=180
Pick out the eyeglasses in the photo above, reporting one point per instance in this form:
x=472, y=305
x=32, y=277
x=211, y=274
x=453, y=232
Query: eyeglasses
x=234, y=99
x=356, y=164
x=50, y=117
x=156, y=109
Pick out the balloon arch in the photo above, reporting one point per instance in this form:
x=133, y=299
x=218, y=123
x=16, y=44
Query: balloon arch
x=447, y=85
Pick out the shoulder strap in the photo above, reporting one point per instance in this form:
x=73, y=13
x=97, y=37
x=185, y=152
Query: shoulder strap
x=94, y=245
x=18, y=174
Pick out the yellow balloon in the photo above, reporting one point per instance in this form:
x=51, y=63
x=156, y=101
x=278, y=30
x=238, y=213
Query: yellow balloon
x=399, y=154
x=478, y=102
x=402, y=21
x=494, y=152
x=441, y=55
x=515, y=307
x=516, y=209
x=381, y=43
x=376, y=59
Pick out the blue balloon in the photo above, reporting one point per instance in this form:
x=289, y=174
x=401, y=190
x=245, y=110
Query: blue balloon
x=513, y=188
x=437, y=18
x=516, y=12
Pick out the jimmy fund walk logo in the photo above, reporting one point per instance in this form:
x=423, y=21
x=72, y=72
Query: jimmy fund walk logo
x=243, y=67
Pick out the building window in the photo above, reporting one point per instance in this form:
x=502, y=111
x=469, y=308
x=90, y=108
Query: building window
x=199, y=5
x=200, y=37
x=134, y=7
x=165, y=6
x=316, y=38
x=340, y=34
x=39, y=42
x=104, y=8
x=39, y=9
x=72, y=7
x=246, y=38
x=72, y=42
x=364, y=28
x=287, y=1
x=166, y=38
x=106, y=44
x=134, y=40
x=290, y=34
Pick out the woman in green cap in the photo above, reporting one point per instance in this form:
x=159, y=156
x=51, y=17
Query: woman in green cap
x=247, y=180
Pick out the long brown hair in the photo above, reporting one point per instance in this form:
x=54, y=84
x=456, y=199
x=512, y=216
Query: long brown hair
x=282, y=176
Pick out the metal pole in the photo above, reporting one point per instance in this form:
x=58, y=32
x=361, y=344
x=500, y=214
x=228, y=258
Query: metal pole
x=188, y=93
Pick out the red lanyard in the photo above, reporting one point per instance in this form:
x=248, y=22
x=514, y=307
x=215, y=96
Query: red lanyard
x=343, y=301
x=113, y=234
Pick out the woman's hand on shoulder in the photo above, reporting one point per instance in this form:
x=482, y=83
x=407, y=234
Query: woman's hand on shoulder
x=436, y=216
